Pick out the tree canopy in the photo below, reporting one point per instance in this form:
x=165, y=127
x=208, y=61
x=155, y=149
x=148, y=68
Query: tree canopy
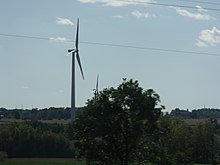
x=113, y=126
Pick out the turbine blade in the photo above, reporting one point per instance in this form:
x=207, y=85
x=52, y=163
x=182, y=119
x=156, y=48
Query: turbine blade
x=77, y=35
x=80, y=66
x=97, y=84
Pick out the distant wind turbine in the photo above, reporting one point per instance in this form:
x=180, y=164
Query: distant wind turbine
x=96, y=89
x=75, y=52
x=97, y=86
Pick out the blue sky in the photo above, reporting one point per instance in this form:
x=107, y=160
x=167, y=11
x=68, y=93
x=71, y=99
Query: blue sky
x=36, y=72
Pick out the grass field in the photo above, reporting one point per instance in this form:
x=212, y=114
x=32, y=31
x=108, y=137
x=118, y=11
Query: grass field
x=41, y=162
x=46, y=162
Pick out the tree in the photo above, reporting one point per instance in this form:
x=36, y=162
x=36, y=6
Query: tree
x=34, y=139
x=117, y=124
x=174, y=141
x=203, y=142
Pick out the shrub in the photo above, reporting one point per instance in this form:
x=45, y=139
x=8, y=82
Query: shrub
x=181, y=158
x=3, y=156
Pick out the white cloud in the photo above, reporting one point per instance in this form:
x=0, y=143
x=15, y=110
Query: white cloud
x=138, y=14
x=63, y=21
x=118, y=16
x=208, y=37
x=200, y=43
x=199, y=15
x=117, y=3
x=59, y=39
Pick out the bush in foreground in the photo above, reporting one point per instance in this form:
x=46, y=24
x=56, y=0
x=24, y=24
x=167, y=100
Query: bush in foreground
x=3, y=156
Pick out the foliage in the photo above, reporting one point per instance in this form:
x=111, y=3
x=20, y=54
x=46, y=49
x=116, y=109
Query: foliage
x=3, y=156
x=38, y=161
x=181, y=144
x=203, y=142
x=49, y=162
x=118, y=124
x=35, y=114
x=173, y=142
x=204, y=113
x=34, y=139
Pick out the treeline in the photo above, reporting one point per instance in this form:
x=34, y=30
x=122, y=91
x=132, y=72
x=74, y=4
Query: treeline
x=204, y=113
x=36, y=139
x=36, y=114
x=64, y=113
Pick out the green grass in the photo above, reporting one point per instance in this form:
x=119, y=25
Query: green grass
x=41, y=162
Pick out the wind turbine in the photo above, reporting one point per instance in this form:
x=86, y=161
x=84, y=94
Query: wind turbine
x=75, y=52
x=96, y=90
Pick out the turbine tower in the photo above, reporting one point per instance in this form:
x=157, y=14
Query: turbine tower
x=75, y=52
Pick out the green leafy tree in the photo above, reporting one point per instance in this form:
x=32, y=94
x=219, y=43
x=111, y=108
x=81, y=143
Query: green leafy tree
x=34, y=139
x=203, y=142
x=116, y=126
x=174, y=141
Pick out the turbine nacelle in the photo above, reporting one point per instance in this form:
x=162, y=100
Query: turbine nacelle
x=71, y=50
